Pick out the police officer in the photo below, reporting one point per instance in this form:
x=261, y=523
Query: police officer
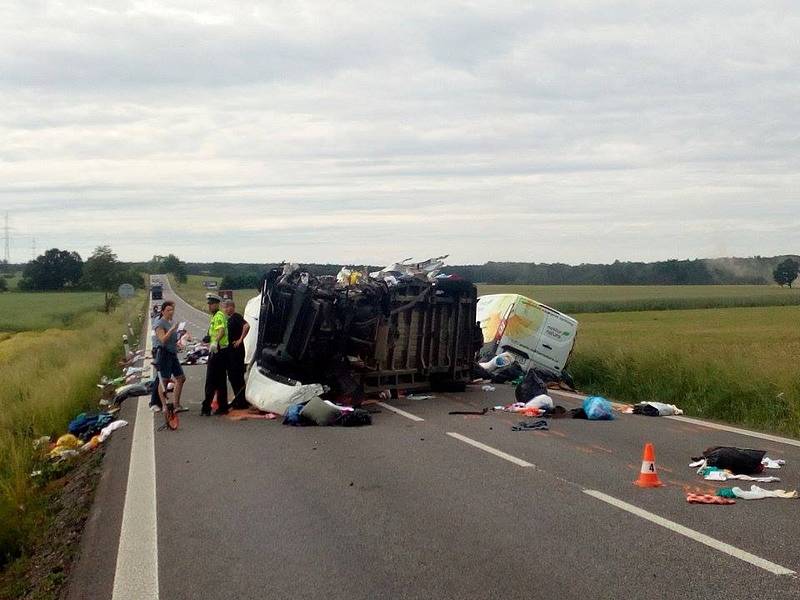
x=216, y=372
x=237, y=331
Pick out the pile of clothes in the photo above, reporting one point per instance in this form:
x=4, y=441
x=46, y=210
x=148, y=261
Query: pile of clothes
x=86, y=432
x=723, y=463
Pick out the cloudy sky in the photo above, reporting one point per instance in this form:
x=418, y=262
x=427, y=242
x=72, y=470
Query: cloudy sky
x=369, y=131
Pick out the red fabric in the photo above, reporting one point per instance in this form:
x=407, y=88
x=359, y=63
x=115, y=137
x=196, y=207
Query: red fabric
x=708, y=499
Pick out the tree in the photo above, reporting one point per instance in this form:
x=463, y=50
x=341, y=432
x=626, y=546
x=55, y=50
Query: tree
x=104, y=272
x=52, y=271
x=169, y=264
x=786, y=272
x=3, y=285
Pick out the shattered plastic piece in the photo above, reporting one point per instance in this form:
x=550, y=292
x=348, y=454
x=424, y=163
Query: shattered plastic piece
x=270, y=395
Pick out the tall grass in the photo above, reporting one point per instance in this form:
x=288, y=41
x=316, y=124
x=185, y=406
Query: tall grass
x=23, y=311
x=48, y=377
x=735, y=365
x=624, y=298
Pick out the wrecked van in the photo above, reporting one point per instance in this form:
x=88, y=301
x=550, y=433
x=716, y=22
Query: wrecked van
x=537, y=335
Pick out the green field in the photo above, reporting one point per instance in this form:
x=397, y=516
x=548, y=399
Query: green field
x=734, y=364
x=22, y=311
x=610, y=298
x=195, y=294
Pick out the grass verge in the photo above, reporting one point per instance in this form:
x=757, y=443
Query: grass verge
x=734, y=365
x=48, y=377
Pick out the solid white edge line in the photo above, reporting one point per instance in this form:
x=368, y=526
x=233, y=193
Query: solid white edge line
x=402, y=413
x=136, y=573
x=755, y=434
x=490, y=450
x=733, y=551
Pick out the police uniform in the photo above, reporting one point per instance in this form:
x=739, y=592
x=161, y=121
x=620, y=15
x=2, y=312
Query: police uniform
x=216, y=371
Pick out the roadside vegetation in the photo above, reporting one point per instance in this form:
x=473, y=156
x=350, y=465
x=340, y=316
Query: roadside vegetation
x=572, y=299
x=734, y=364
x=48, y=377
x=23, y=311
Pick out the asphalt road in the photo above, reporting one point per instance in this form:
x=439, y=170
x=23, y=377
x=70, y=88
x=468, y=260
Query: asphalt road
x=441, y=507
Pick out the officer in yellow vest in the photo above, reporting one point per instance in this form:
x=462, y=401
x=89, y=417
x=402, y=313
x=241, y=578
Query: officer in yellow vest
x=216, y=372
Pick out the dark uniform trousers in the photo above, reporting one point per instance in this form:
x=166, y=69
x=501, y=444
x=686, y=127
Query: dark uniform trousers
x=216, y=380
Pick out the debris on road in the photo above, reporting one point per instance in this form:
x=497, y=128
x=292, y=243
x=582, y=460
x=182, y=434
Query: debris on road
x=757, y=493
x=597, y=408
x=538, y=425
x=692, y=498
x=420, y=397
x=654, y=409
x=744, y=461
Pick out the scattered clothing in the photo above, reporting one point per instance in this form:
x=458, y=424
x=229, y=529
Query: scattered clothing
x=488, y=388
x=542, y=401
x=757, y=493
x=656, y=409
x=772, y=464
x=419, y=397
x=538, y=425
x=717, y=474
x=468, y=412
x=531, y=386
x=707, y=499
x=106, y=431
x=578, y=413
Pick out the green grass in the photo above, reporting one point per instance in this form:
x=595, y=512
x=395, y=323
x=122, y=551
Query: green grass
x=24, y=311
x=734, y=364
x=195, y=294
x=610, y=298
x=48, y=377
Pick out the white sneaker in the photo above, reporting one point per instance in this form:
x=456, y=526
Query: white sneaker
x=155, y=409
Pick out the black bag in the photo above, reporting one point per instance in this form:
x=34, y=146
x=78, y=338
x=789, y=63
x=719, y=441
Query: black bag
x=354, y=418
x=530, y=387
x=742, y=461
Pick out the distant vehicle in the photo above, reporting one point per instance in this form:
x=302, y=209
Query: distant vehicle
x=537, y=335
x=156, y=291
x=210, y=284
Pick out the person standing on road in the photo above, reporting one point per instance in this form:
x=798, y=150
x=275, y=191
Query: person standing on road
x=216, y=371
x=169, y=367
x=237, y=331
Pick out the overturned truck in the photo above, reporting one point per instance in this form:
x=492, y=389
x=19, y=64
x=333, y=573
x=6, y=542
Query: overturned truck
x=362, y=335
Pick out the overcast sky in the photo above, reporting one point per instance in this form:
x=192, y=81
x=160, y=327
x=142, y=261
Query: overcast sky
x=367, y=132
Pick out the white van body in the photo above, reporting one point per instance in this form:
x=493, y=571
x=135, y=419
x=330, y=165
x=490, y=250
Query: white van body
x=252, y=312
x=538, y=335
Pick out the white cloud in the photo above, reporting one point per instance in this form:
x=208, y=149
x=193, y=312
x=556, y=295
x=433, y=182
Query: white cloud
x=575, y=132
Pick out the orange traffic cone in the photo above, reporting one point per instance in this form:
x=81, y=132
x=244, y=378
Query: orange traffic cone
x=648, y=477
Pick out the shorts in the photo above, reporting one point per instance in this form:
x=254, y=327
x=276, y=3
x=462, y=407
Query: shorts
x=168, y=365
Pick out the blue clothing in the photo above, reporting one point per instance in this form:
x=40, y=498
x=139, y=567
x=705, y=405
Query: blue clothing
x=169, y=366
x=171, y=344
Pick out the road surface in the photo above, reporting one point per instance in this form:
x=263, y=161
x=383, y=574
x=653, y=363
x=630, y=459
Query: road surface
x=423, y=504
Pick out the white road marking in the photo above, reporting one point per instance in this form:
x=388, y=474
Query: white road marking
x=402, y=413
x=136, y=576
x=755, y=434
x=490, y=450
x=759, y=562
